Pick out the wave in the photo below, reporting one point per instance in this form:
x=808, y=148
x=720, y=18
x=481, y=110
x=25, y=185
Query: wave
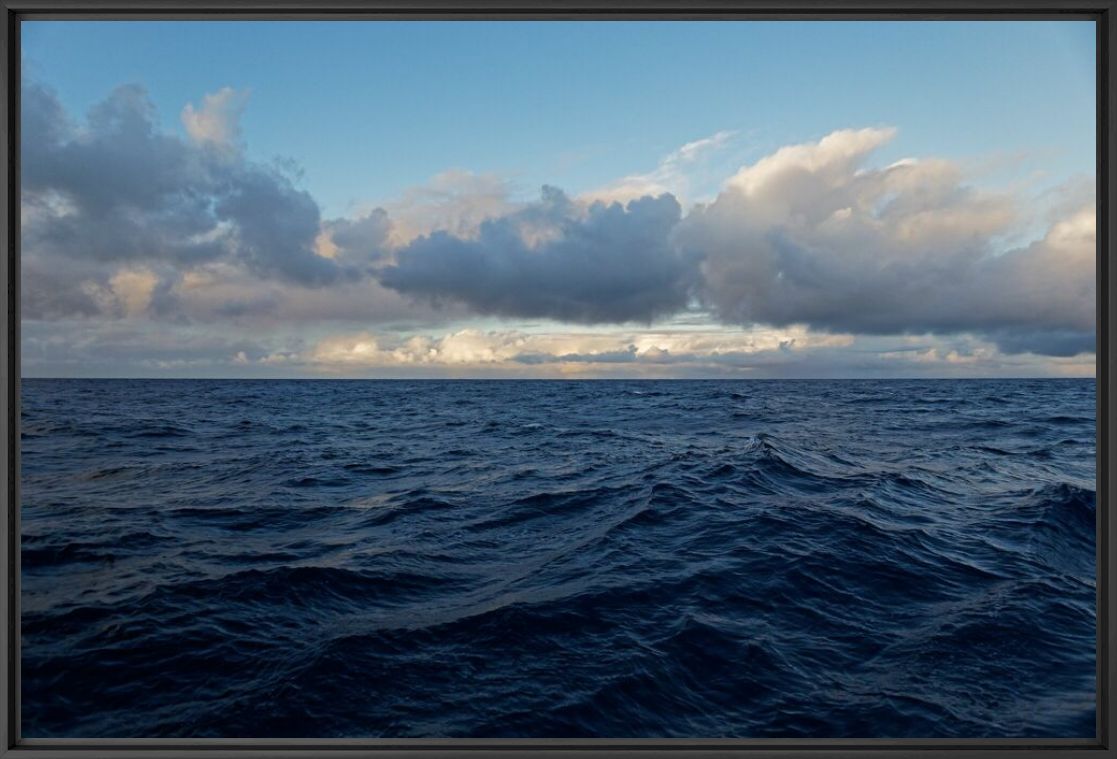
x=42, y=554
x=678, y=559
x=158, y=431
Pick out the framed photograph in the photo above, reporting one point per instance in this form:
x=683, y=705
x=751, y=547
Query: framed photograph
x=427, y=379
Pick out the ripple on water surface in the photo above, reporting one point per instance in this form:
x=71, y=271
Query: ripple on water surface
x=562, y=559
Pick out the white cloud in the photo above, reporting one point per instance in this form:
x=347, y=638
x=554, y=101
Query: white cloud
x=813, y=234
x=832, y=158
x=473, y=347
x=217, y=121
x=677, y=173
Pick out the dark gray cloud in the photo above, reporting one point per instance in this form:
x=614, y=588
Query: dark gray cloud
x=275, y=228
x=556, y=259
x=116, y=190
x=362, y=241
x=1046, y=342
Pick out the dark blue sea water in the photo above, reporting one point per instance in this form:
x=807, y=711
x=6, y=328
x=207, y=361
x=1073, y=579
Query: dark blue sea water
x=561, y=559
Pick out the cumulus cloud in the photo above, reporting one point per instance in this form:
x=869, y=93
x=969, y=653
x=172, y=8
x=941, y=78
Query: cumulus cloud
x=361, y=241
x=115, y=191
x=122, y=221
x=456, y=202
x=217, y=121
x=556, y=259
x=812, y=235
x=274, y=228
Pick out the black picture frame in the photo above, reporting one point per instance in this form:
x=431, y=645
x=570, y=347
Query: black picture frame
x=1103, y=12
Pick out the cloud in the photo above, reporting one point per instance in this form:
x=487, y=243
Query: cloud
x=274, y=227
x=677, y=173
x=222, y=293
x=217, y=122
x=812, y=235
x=456, y=202
x=122, y=221
x=148, y=348
x=556, y=259
x=474, y=347
x=115, y=191
x=129, y=291
x=133, y=348
x=360, y=241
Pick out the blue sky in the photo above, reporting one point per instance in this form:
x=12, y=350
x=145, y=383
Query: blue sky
x=367, y=109
x=999, y=114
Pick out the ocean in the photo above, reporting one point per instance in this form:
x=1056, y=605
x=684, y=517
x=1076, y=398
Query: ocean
x=499, y=559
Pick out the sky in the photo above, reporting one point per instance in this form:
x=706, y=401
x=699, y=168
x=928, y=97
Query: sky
x=558, y=199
